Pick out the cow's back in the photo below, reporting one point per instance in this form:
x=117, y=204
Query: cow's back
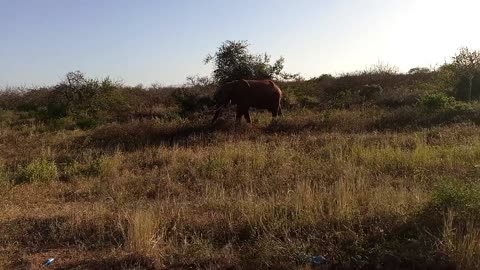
x=264, y=87
x=263, y=93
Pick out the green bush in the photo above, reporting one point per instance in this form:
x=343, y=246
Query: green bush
x=55, y=111
x=190, y=101
x=87, y=101
x=70, y=170
x=461, y=196
x=436, y=102
x=41, y=171
x=294, y=97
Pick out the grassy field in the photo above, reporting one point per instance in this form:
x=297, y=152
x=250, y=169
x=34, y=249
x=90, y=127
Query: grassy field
x=364, y=185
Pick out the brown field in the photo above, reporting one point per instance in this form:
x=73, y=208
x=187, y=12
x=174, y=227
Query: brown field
x=365, y=186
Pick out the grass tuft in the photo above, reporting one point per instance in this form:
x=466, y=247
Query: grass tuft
x=38, y=171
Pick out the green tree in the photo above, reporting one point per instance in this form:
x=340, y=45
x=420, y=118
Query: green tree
x=467, y=64
x=234, y=61
x=419, y=70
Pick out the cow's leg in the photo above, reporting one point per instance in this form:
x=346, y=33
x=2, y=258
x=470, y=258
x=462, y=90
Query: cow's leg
x=247, y=116
x=240, y=113
x=274, y=112
x=217, y=114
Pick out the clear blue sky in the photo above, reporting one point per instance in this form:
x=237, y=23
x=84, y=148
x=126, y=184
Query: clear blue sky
x=146, y=41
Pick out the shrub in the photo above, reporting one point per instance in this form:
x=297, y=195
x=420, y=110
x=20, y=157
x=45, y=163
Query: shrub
x=430, y=111
x=107, y=165
x=458, y=195
x=466, y=64
x=70, y=170
x=439, y=108
x=462, y=87
x=323, y=77
x=308, y=101
x=7, y=117
x=368, y=91
x=417, y=70
x=290, y=96
x=398, y=97
x=86, y=123
x=55, y=110
x=436, y=101
x=399, y=118
x=31, y=99
x=191, y=101
x=86, y=100
x=294, y=97
x=458, y=203
x=38, y=171
x=77, y=91
x=345, y=99
x=62, y=123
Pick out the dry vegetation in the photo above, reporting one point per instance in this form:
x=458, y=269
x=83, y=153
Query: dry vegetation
x=391, y=182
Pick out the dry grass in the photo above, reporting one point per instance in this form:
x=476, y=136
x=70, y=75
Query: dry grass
x=461, y=241
x=142, y=231
x=149, y=194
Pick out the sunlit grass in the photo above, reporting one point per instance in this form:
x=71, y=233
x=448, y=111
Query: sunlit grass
x=247, y=195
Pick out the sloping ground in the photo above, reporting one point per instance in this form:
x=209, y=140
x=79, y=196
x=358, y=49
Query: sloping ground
x=150, y=195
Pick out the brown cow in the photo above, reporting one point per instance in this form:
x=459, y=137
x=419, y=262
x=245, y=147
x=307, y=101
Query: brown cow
x=259, y=94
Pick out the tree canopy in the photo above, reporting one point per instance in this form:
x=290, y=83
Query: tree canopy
x=467, y=64
x=234, y=61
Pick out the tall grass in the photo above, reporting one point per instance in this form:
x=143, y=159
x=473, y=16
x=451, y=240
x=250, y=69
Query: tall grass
x=40, y=170
x=360, y=183
x=461, y=241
